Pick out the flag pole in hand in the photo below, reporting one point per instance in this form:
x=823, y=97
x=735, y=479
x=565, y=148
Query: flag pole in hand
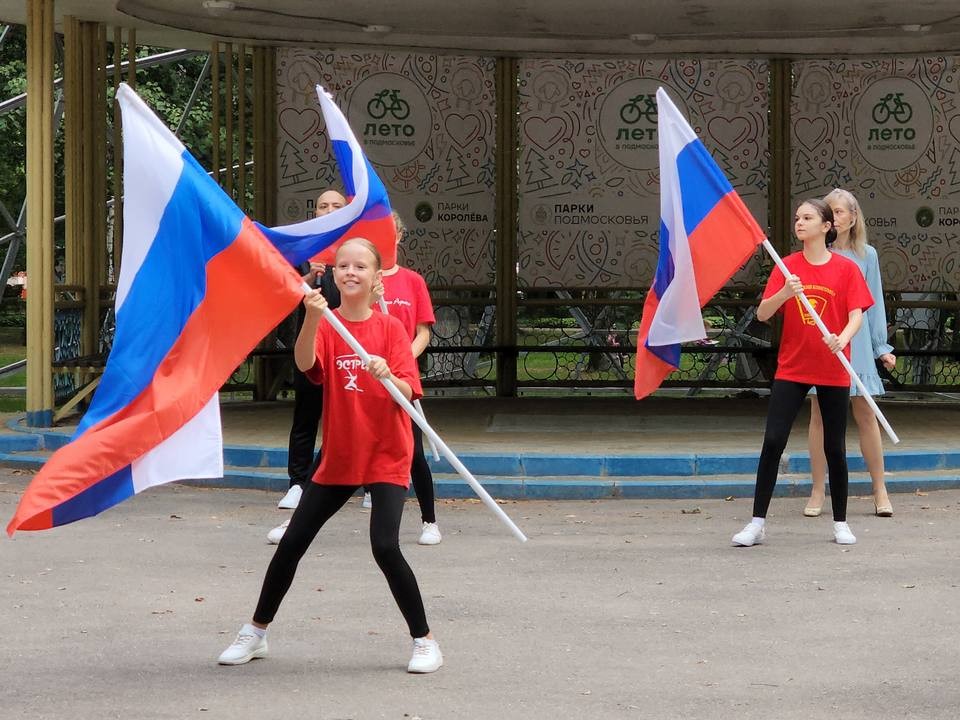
x=427, y=430
x=840, y=356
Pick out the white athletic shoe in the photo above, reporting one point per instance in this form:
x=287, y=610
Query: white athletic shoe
x=275, y=535
x=430, y=534
x=291, y=499
x=367, y=501
x=843, y=534
x=245, y=648
x=426, y=656
x=752, y=534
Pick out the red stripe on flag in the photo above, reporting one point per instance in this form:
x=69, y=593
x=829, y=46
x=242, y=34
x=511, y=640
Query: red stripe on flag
x=721, y=243
x=649, y=370
x=382, y=232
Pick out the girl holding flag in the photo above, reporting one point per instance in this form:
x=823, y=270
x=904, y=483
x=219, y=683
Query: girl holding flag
x=835, y=287
x=366, y=440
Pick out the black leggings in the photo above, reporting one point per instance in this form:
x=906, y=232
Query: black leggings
x=785, y=400
x=318, y=504
x=422, y=478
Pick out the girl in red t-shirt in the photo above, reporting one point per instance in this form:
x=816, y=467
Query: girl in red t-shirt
x=366, y=440
x=835, y=287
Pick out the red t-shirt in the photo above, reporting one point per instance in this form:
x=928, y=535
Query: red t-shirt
x=366, y=435
x=408, y=299
x=834, y=289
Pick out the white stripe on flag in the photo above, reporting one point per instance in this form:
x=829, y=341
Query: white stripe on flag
x=148, y=152
x=678, y=317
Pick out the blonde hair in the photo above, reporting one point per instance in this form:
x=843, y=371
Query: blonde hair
x=363, y=242
x=858, y=230
x=398, y=221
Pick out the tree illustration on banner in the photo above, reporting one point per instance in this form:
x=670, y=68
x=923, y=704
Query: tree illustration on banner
x=456, y=170
x=805, y=173
x=291, y=164
x=537, y=170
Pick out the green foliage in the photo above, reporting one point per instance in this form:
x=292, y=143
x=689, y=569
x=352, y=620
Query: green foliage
x=165, y=88
x=13, y=129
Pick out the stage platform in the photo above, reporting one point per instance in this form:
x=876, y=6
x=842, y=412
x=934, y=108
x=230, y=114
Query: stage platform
x=591, y=447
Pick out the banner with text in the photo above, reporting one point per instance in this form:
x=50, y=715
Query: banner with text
x=588, y=163
x=888, y=130
x=427, y=124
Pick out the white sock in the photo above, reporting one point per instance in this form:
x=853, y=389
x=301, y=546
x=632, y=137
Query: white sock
x=838, y=523
x=759, y=521
x=259, y=632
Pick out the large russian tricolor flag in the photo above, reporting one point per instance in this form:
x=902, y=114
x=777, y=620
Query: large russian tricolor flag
x=366, y=215
x=199, y=286
x=706, y=235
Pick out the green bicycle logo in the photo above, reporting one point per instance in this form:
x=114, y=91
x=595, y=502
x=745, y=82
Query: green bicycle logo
x=639, y=106
x=388, y=101
x=893, y=106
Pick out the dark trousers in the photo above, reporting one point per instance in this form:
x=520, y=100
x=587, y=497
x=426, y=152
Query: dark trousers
x=318, y=504
x=422, y=478
x=786, y=398
x=307, y=407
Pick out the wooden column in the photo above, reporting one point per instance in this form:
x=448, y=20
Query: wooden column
x=215, y=110
x=506, y=236
x=781, y=214
x=72, y=151
x=242, y=127
x=228, y=90
x=40, y=136
x=117, y=249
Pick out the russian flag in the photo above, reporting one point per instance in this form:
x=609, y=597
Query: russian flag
x=199, y=286
x=366, y=215
x=706, y=235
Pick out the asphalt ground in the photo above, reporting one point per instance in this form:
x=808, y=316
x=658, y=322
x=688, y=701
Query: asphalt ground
x=613, y=609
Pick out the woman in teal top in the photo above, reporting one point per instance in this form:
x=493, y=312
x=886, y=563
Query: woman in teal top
x=868, y=345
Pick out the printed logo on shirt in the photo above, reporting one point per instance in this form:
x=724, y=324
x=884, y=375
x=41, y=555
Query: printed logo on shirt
x=818, y=302
x=399, y=301
x=350, y=366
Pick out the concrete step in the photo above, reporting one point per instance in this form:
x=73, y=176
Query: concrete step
x=586, y=487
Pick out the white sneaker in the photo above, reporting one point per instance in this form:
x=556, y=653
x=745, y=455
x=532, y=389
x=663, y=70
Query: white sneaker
x=426, y=656
x=752, y=534
x=291, y=499
x=367, y=501
x=245, y=648
x=430, y=535
x=843, y=534
x=275, y=535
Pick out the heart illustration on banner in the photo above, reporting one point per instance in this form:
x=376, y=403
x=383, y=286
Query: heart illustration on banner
x=729, y=133
x=955, y=127
x=299, y=124
x=544, y=133
x=462, y=129
x=811, y=133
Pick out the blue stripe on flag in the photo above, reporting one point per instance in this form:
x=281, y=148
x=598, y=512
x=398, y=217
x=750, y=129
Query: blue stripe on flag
x=299, y=249
x=198, y=222
x=702, y=184
x=668, y=353
x=96, y=498
x=665, y=266
x=344, y=157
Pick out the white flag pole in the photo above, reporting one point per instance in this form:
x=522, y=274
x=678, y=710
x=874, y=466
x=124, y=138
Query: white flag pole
x=840, y=356
x=427, y=430
x=416, y=403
